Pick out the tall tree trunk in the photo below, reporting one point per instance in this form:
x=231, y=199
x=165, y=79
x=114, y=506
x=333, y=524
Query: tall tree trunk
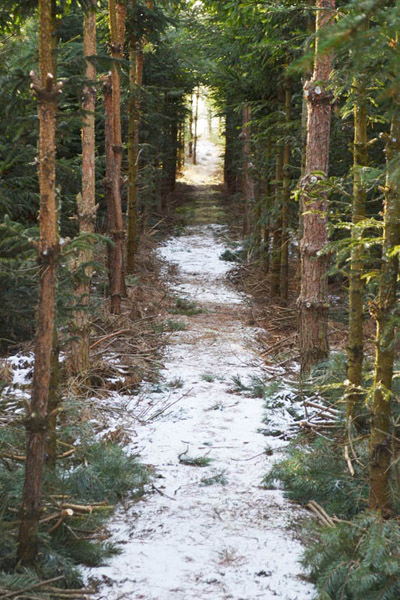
x=181, y=148
x=313, y=300
x=384, y=312
x=196, y=123
x=113, y=201
x=356, y=287
x=267, y=210
x=135, y=82
x=170, y=159
x=284, y=275
x=231, y=136
x=191, y=127
x=54, y=402
x=136, y=64
x=275, y=267
x=86, y=202
x=248, y=183
x=47, y=92
x=117, y=15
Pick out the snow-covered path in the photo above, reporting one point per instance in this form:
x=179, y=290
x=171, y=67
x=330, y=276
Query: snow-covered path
x=205, y=532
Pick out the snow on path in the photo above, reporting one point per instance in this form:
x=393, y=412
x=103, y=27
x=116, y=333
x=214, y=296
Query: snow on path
x=190, y=540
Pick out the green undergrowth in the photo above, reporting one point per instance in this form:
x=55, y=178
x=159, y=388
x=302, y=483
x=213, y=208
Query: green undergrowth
x=317, y=470
x=218, y=479
x=232, y=256
x=169, y=326
x=185, y=307
x=90, y=482
x=356, y=558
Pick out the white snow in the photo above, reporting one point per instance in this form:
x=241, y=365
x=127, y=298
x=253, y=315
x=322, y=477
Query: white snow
x=187, y=540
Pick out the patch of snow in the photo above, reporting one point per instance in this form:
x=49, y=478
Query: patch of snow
x=188, y=540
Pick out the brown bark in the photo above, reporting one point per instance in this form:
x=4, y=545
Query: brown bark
x=136, y=64
x=135, y=80
x=231, y=137
x=117, y=15
x=181, y=149
x=86, y=203
x=384, y=311
x=196, y=121
x=275, y=266
x=54, y=402
x=284, y=274
x=313, y=299
x=114, y=212
x=48, y=250
x=191, y=127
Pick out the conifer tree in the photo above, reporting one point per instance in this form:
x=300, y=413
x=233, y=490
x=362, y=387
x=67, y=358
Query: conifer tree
x=384, y=311
x=136, y=63
x=313, y=299
x=47, y=91
x=86, y=201
x=117, y=18
x=356, y=287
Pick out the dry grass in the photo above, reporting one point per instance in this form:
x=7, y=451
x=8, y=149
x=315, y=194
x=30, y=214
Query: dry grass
x=279, y=339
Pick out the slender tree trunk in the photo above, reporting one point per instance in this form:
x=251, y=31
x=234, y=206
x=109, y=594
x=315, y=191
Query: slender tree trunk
x=284, y=276
x=267, y=211
x=115, y=250
x=313, y=300
x=170, y=160
x=191, y=127
x=86, y=203
x=248, y=183
x=108, y=188
x=181, y=148
x=196, y=122
x=356, y=287
x=117, y=15
x=230, y=173
x=54, y=402
x=48, y=250
x=136, y=64
x=384, y=312
x=135, y=82
x=275, y=268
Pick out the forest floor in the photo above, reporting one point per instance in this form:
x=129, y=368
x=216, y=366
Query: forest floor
x=207, y=528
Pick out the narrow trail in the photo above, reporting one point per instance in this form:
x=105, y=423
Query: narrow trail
x=212, y=531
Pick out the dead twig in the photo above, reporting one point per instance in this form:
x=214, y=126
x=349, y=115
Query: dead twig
x=35, y=586
x=104, y=338
x=320, y=513
x=348, y=461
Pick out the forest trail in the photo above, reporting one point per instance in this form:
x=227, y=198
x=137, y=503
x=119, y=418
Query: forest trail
x=211, y=531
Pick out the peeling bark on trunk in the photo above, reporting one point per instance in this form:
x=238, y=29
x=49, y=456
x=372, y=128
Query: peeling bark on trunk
x=48, y=250
x=86, y=203
x=313, y=300
x=384, y=311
